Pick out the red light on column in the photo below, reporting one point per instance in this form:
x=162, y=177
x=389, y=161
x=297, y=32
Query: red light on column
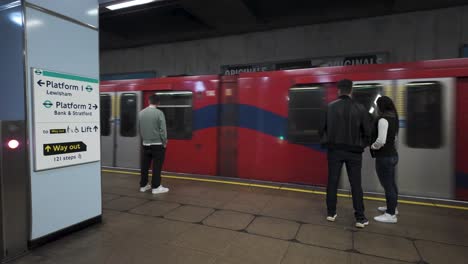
x=13, y=143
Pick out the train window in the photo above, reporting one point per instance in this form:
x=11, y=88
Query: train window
x=424, y=114
x=367, y=95
x=106, y=108
x=128, y=115
x=306, y=110
x=177, y=108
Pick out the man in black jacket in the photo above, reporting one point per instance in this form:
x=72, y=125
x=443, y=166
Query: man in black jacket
x=346, y=132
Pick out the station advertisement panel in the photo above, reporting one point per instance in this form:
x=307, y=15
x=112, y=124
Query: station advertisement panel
x=65, y=119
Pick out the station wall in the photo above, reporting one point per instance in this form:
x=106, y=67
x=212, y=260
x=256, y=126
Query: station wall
x=424, y=35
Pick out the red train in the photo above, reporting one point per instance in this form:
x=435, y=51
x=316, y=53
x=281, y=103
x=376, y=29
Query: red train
x=264, y=126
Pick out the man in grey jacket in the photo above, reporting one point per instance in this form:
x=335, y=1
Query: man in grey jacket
x=153, y=132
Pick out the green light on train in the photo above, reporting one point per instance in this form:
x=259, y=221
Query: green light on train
x=281, y=138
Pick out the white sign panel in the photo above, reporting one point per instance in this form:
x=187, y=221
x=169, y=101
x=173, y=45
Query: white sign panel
x=66, y=119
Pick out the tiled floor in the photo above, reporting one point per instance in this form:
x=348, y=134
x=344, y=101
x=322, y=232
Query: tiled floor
x=199, y=222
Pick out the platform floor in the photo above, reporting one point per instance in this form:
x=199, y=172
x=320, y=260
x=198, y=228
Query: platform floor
x=200, y=222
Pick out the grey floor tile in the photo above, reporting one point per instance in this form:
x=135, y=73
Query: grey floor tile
x=190, y=200
x=125, y=191
x=225, y=260
x=169, y=254
x=256, y=249
x=109, y=196
x=298, y=209
x=150, y=254
x=303, y=254
x=222, y=195
x=274, y=227
x=207, y=239
x=155, y=208
x=331, y=237
x=125, y=225
x=33, y=259
x=123, y=203
x=386, y=229
x=109, y=213
x=164, y=232
x=385, y=246
x=199, y=194
x=436, y=253
x=364, y=259
x=229, y=219
x=188, y=213
x=245, y=208
x=445, y=229
x=248, y=202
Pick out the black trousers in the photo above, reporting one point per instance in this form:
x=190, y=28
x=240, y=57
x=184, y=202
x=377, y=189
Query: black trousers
x=385, y=167
x=155, y=153
x=353, y=162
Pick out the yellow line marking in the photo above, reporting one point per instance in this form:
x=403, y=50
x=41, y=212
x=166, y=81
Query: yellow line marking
x=451, y=206
x=202, y=180
x=374, y=198
x=121, y=172
x=416, y=203
x=265, y=186
x=344, y=195
x=298, y=190
x=292, y=189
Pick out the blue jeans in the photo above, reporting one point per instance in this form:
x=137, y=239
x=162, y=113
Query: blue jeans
x=385, y=167
x=353, y=162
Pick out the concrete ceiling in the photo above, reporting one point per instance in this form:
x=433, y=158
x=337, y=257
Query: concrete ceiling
x=178, y=20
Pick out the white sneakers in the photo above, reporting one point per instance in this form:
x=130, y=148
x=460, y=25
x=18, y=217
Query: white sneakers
x=146, y=188
x=359, y=223
x=160, y=189
x=331, y=218
x=386, y=218
x=383, y=209
x=362, y=223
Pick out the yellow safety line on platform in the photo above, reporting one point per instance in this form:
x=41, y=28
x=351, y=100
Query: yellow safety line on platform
x=291, y=189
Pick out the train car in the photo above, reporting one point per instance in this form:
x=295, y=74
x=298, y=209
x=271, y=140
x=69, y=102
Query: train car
x=190, y=105
x=264, y=126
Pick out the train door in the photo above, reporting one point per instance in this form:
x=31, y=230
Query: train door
x=461, y=169
x=107, y=106
x=128, y=143
x=426, y=138
x=367, y=93
x=228, y=128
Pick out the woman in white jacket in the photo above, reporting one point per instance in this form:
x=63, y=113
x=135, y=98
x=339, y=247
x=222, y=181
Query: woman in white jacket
x=386, y=156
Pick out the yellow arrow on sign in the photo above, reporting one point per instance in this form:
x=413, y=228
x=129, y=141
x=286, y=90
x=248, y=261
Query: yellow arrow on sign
x=47, y=148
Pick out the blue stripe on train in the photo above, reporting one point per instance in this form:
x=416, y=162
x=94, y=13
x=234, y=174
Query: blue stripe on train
x=250, y=117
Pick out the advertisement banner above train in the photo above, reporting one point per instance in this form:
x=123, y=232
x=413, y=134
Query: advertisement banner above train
x=374, y=58
x=377, y=58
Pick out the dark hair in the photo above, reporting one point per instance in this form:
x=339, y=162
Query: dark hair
x=154, y=99
x=345, y=86
x=386, y=107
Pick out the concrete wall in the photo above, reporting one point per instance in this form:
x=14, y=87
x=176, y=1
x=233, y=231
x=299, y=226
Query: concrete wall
x=436, y=34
